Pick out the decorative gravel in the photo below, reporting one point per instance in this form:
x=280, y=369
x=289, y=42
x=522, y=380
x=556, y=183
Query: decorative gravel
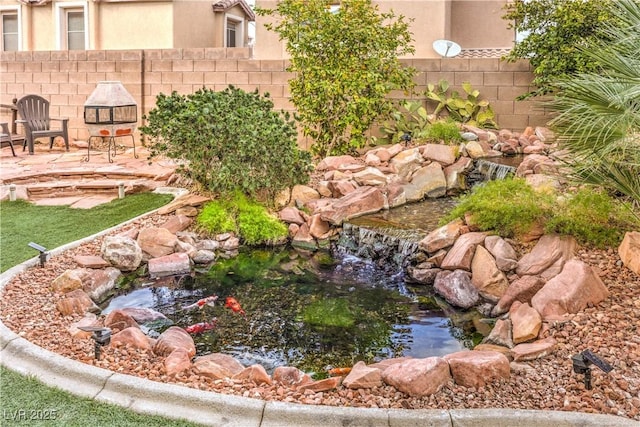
x=611, y=330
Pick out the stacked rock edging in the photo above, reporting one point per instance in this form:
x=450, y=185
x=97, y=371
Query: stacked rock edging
x=466, y=267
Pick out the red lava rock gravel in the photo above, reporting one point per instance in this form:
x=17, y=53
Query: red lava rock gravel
x=611, y=330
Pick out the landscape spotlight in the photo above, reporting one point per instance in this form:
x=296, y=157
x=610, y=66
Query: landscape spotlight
x=101, y=336
x=582, y=362
x=43, y=252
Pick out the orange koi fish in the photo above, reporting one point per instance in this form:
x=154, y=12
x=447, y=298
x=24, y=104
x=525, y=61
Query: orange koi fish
x=202, y=302
x=234, y=305
x=201, y=327
x=339, y=371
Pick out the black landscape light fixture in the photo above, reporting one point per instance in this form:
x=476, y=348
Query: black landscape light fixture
x=582, y=365
x=43, y=252
x=101, y=336
x=406, y=138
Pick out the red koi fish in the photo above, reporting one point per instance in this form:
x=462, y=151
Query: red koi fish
x=339, y=371
x=234, y=305
x=201, y=327
x=202, y=302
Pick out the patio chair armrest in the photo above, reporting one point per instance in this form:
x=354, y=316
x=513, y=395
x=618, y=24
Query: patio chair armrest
x=21, y=121
x=5, y=129
x=60, y=119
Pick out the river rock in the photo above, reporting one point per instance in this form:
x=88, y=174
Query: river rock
x=168, y=265
x=548, y=256
x=629, y=251
x=478, y=368
x=362, y=376
x=157, y=242
x=462, y=252
x=576, y=287
x=122, y=252
x=362, y=201
x=521, y=289
x=172, y=338
x=486, y=276
x=456, y=288
x=254, y=373
x=441, y=237
x=504, y=254
x=131, y=336
x=178, y=361
x=526, y=322
x=418, y=377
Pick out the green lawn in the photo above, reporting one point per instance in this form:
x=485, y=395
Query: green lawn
x=23, y=398
x=53, y=226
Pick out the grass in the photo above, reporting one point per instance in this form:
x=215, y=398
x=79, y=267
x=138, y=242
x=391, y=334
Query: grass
x=52, y=226
x=27, y=401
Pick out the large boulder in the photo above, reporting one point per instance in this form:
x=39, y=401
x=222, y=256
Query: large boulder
x=629, y=251
x=172, y=338
x=68, y=281
x=418, y=377
x=504, y=254
x=407, y=162
x=362, y=376
x=521, y=289
x=441, y=153
x=478, y=368
x=76, y=302
x=167, y=265
x=548, y=256
x=100, y=284
x=157, y=242
x=535, y=350
x=335, y=162
x=122, y=252
x=526, y=322
x=254, y=373
x=462, y=252
x=430, y=181
x=441, y=237
x=370, y=176
x=456, y=288
x=178, y=361
x=359, y=202
x=132, y=337
x=571, y=291
x=486, y=276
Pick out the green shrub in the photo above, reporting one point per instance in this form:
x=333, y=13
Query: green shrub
x=509, y=207
x=252, y=221
x=446, y=131
x=228, y=141
x=592, y=217
x=409, y=118
x=467, y=108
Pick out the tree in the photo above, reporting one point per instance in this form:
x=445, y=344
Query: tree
x=556, y=32
x=346, y=62
x=598, y=113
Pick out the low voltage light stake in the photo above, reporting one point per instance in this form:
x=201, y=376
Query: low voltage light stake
x=101, y=336
x=582, y=362
x=43, y=252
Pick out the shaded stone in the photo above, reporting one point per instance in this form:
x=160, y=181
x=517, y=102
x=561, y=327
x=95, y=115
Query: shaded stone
x=547, y=257
x=177, y=223
x=168, y=265
x=208, y=245
x=68, y=281
x=629, y=251
x=121, y=252
x=395, y=195
x=456, y=288
x=535, y=350
x=501, y=334
x=301, y=194
x=455, y=175
x=461, y=254
x=178, y=361
x=230, y=244
x=576, y=287
x=322, y=385
x=119, y=320
x=290, y=376
x=318, y=227
x=90, y=261
x=526, y=322
x=362, y=201
x=172, y=338
x=522, y=289
x=478, y=368
x=425, y=276
x=362, y=376
x=76, y=302
x=505, y=256
x=441, y=153
x=303, y=239
x=486, y=276
x=157, y=242
x=255, y=373
x=418, y=377
x=131, y=336
x=430, y=181
x=441, y=237
x=203, y=257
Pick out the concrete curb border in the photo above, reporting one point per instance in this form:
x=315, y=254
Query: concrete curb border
x=215, y=409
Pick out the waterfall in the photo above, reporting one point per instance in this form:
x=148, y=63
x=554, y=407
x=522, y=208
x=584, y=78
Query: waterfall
x=492, y=171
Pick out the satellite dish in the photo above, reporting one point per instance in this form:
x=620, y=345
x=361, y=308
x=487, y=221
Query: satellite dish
x=447, y=48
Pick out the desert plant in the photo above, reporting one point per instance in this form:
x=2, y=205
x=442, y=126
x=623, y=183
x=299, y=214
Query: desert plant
x=410, y=118
x=345, y=61
x=229, y=140
x=470, y=109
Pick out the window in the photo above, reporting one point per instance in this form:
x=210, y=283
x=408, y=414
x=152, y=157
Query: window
x=72, y=26
x=10, y=30
x=234, y=31
x=231, y=33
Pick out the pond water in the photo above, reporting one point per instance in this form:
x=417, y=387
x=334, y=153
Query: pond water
x=314, y=311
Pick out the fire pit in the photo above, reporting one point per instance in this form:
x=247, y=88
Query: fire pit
x=110, y=112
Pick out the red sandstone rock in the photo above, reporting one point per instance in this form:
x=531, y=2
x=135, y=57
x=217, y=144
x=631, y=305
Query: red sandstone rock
x=178, y=361
x=486, y=276
x=90, y=261
x=76, y=302
x=493, y=347
x=90, y=320
x=335, y=162
x=68, y=281
x=461, y=254
x=225, y=361
x=255, y=373
x=548, y=256
x=172, y=338
x=362, y=201
x=363, y=376
x=133, y=337
x=167, y=265
x=501, y=334
x=418, y=377
x=318, y=227
x=157, y=242
x=629, y=251
x=322, y=385
x=341, y=188
x=290, y=376
x=441, y=237
x=456, y=288
x=477, y=368
x=118, y=320
x=291, y=215
x=441, y=153
x=177, y=223
x=535, y=350
x=526, y=322
x=522, y=289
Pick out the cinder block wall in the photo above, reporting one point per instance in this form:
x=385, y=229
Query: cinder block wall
x=67, y=78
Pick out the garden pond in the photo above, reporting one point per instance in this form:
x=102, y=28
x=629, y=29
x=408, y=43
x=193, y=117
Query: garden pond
x=318, y=310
